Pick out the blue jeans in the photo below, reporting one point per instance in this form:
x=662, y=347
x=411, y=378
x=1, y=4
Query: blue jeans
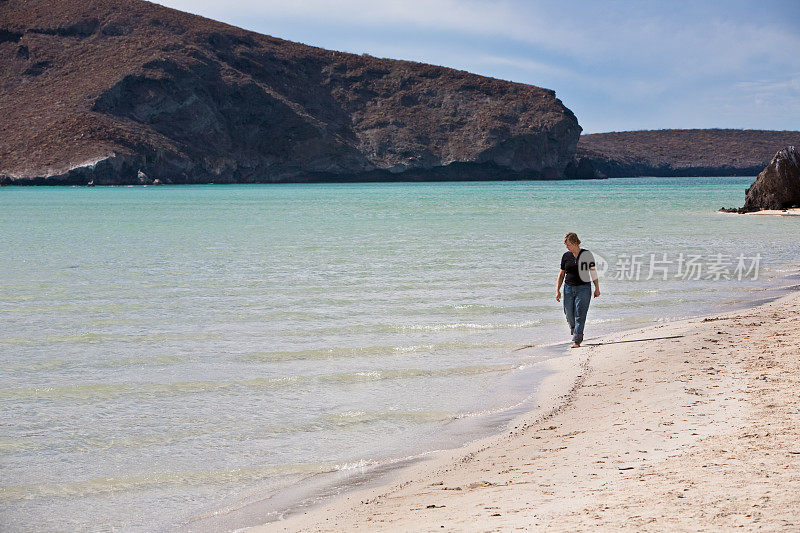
x=576, y=305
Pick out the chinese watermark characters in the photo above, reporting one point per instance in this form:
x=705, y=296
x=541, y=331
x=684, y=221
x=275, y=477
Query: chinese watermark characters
x=659, y=266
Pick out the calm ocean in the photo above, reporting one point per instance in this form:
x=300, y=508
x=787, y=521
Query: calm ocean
x=166, y=352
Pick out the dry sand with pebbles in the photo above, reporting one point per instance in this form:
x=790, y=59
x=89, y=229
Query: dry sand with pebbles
x=691, y=425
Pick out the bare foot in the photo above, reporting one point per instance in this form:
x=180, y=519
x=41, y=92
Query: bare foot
x=575, y=345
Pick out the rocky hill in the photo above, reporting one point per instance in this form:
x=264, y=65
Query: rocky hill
x=125, y=91
x=708, y=152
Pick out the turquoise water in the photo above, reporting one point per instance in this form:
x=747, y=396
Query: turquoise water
x=169, y=351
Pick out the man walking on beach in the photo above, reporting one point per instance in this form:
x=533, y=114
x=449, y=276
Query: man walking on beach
x=577, y=272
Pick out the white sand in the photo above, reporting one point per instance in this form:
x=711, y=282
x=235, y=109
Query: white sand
x=691, y=425
x=792, y=212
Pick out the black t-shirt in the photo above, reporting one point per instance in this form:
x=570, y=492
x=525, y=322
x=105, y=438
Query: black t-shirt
x=577, y=269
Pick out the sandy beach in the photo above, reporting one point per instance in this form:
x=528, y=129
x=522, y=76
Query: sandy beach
x=791, y=212
x=689, y=425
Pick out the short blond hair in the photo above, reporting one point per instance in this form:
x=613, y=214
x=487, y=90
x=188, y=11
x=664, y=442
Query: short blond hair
x=572, y=237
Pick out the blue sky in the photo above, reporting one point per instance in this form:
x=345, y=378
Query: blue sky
x=617, y=65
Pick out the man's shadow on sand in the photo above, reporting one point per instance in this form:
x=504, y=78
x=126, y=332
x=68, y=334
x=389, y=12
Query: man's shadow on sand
x=631, y=340
x=601, y=343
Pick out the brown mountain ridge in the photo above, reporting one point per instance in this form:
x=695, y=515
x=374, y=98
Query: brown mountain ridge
x=697, y=152
x=125, y=91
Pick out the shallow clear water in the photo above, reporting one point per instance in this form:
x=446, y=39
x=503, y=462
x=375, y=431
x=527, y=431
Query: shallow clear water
x=168, y=351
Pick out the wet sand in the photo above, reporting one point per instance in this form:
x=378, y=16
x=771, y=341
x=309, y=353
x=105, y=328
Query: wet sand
x=689, y=425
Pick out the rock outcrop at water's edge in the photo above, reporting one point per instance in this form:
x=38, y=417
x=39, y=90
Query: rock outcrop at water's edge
x=777, y=186
x=129, y=92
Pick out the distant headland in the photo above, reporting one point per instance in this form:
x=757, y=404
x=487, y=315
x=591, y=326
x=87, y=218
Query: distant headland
x=697, y=152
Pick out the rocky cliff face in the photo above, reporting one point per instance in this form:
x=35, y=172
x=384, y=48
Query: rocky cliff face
x=124, y=91
x=777, y=186
x=707, y=152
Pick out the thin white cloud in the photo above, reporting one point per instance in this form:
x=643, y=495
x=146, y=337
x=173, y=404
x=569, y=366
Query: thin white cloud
x=617, y=36
x=521, y=63
x=771, y=95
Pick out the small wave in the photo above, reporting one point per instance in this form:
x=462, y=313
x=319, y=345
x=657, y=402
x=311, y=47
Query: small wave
x=348, y=419
x=358, y=465
x=110, y=485
x=464, y=326
x=89, y=444
x=414, y=348
x=352, y=418
x=325, y=353
x=107, y=391
x=41, y=309
x=351, y=377
x=300, y=316
x=406, y=328
x=369, y=351
x=488, y=309
x=97, y=338
x=604, y=320
x=154, y=360
x=642, y=292
x=51, y=365
x=672, y=318
x=8, y=446
x=39, y=366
